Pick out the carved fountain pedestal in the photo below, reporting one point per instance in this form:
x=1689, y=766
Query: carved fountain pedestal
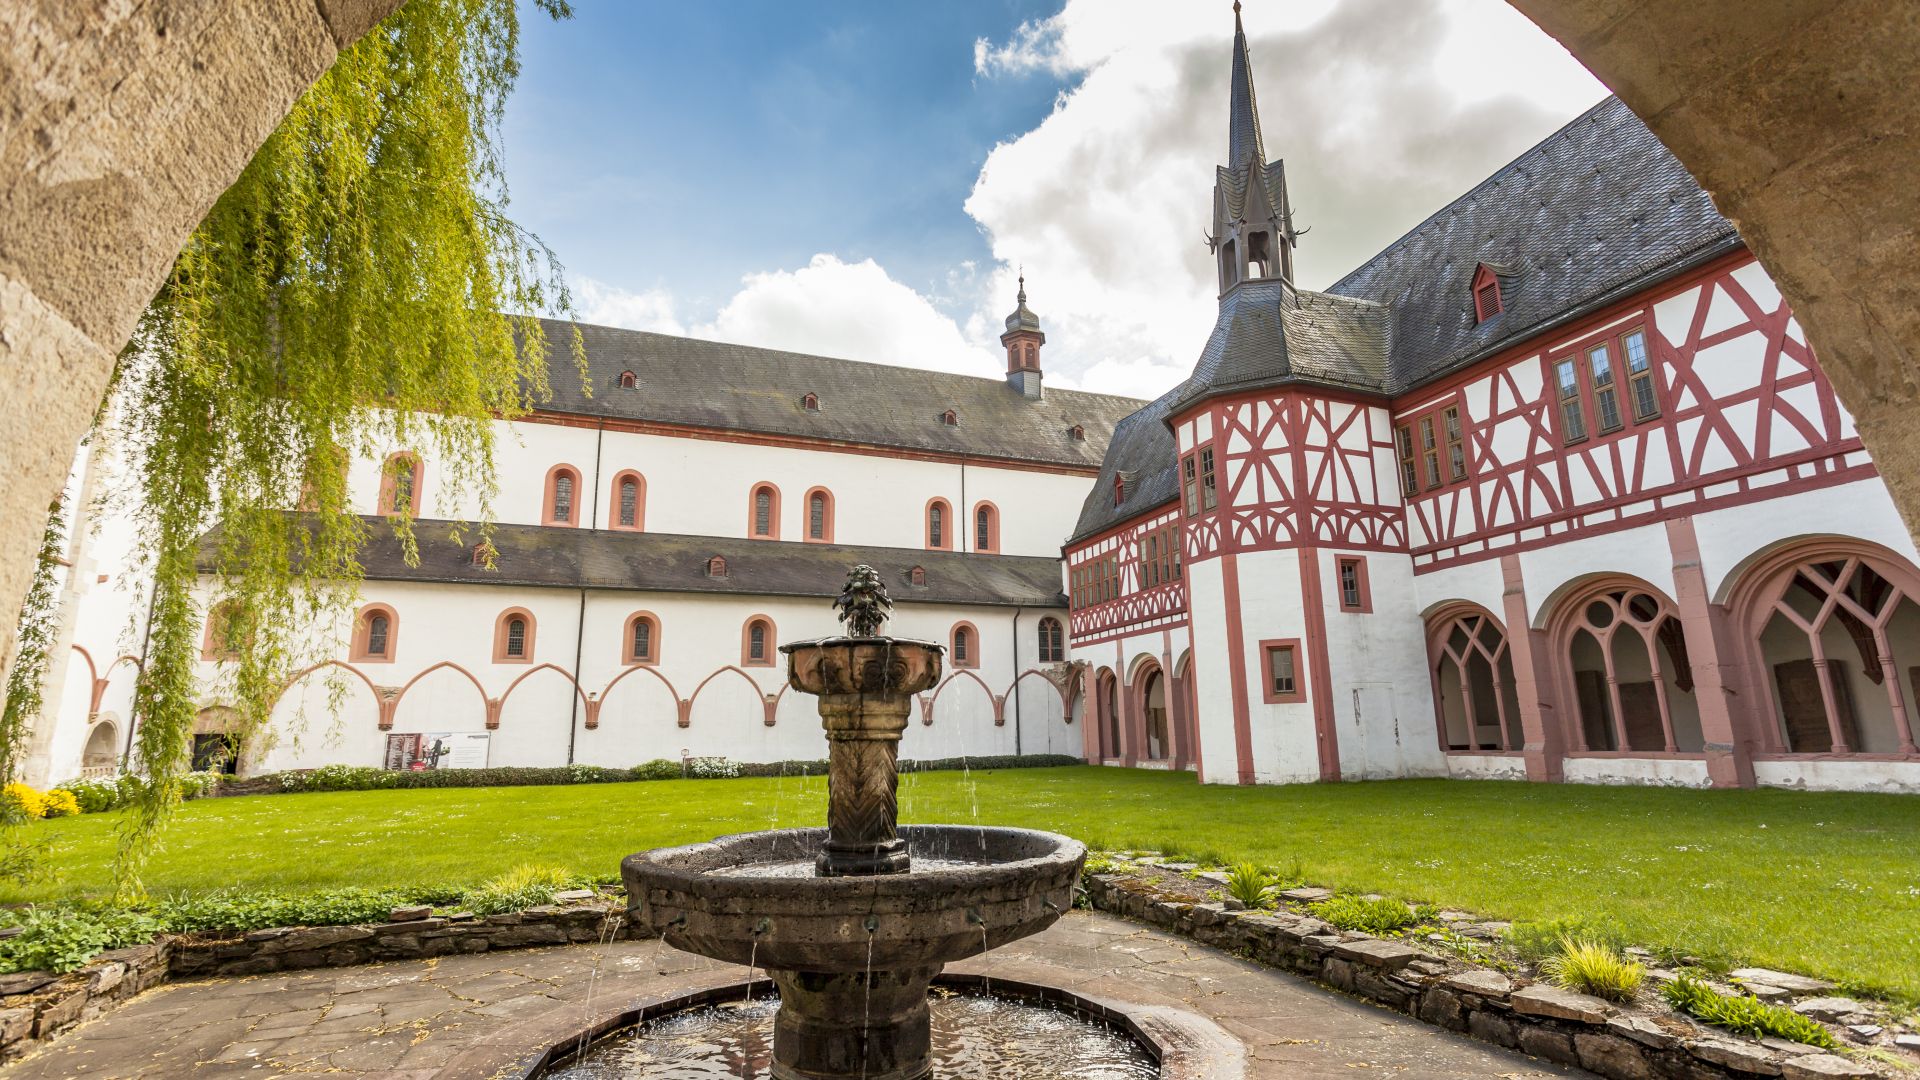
x=853, y=946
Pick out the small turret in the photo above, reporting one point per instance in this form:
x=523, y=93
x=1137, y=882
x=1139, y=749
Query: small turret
x=1023, y=340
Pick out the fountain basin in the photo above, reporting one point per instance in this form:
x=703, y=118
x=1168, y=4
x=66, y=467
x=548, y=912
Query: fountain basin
x=718, y=900
x=867, y=666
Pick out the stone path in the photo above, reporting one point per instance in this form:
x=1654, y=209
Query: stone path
x=469, y=1016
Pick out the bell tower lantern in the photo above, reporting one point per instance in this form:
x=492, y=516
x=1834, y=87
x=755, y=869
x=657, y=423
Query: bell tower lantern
x=1253, y=236
x=1023, y=340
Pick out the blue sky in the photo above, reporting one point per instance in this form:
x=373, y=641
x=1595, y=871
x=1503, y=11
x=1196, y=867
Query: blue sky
x=859, y=178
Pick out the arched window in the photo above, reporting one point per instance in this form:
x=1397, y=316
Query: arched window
x=763, y=513
x=986, y=527
x=1625, y=656
x=562, y=503
x=513, y=637
x=965, y=646
x=820, y=516
x=400, y=487
x=629, y=501
x=717, y=566
x=1078, y=433
x=1053, y=644
x=1032, y=355
x=1838, y=640
x=1259, y=255
x=223, y=635
x=375, y=635
x=629, y=381
x=641, y=642
x=1473, y=687
x=938, y=535
x=810, y=402
x=756, y=642
x=950, y=418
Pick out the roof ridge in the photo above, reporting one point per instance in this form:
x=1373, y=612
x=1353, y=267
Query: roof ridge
x=1487, y=181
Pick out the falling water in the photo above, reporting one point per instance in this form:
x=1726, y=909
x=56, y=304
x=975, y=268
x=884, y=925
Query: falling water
x=973, y=916
x=753, y=958
x=609, y=931
x=866, y=1006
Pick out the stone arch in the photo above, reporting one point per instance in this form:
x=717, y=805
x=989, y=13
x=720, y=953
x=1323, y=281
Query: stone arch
x=1148, y=687
x=102, y=748
x=1620, y=657
x=768, y=702
x=998, y=702
x=1106, y=711
x=490, y=708
x=1470, y=661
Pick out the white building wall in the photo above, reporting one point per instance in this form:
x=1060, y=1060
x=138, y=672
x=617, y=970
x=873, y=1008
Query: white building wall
x=1382, y=697
x=1285, y=748
x=1212, y=682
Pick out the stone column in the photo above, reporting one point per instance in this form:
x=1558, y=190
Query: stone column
x=863, y=747
x=1710, y=650
x=1542, y=724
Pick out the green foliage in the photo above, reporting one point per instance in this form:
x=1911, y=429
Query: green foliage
x=39, y=622
x=63, y=939
x=1102, y=862
x=1369, y=916
x=343, y=298
x=94, y=796
x=1540, y=941
x=1592, y=967
x=987, y=763
x=524, y=886
x=1743, y=1014
x=712, y=768
x=1249, y=884
x=229, y=910
x=657, y=769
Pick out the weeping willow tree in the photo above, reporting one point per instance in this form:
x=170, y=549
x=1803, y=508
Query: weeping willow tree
x=358, y=291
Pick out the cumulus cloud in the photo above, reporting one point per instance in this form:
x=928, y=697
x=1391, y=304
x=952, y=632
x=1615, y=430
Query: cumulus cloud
x=853, y=310
x=611, y=305
x=1383, y=109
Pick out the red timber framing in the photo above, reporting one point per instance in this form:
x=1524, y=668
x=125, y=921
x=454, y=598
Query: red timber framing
x=1709, y=420
x=1127, y=580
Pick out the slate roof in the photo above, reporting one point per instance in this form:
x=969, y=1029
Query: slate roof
x=1596, y=212
x=710, y=384
x=554, y=557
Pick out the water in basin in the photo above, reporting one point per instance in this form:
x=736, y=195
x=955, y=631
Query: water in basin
x=804, y=868
x=975, y=1037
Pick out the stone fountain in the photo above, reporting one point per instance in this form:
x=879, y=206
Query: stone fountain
x=853, y=921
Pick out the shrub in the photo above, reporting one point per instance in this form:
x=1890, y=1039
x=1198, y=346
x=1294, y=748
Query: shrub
x=1369, y=916
x=1249, y=884
x=64, y=939
x=1592, y=967
x=23, y=802
x=657, y=769
x=93, y=796
x=1744, y=1015
x=256, y=911
x=1537, y=942
x=712, y=768
x=61, y=803
x=524, y=886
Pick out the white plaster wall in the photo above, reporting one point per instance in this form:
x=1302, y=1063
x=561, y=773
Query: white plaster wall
x=1642, y=552
x=704, y=487
x=1213, y=682
x=1897, y=777
x=1382, y=697
x=699, y=638
x=1285, y=746
x=1659, y=772
x=1731, y=536
x=1479, y=582
x=1485, y=767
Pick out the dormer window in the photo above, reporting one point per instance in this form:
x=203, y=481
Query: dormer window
x=717, y=567
x=1486, y=294
x=629, y=381
x=917, y=577
x=810, y=402
x=950, y=418
x=1119, y=489
x=483, y=553
x=1077, y=433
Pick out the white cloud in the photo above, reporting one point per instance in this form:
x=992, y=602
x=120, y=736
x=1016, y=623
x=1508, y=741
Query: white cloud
x=1384, y=110
x=610, y=305
x=853, y=310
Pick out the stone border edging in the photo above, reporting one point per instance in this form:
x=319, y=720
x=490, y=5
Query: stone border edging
x=1547, y=1022
x=37, y=1005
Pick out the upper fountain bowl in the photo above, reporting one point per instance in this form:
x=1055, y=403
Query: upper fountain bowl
x=753, y=898
x=868, y=666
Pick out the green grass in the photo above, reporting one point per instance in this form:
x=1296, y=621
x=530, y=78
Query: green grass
x=1827, y=884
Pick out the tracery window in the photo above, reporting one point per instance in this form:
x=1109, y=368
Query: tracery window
x=1053, y=647
x=1632, y=678
x=1840, y=644
x=1473, y=687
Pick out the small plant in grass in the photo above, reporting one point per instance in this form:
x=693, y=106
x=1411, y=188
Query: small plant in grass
x=1537, y=942
x=1367, y=916
x=1593, y=967
x=1744, y=1015
x=1102, y=862
x=1249, y=884
x=658, y=769
x=524, y=886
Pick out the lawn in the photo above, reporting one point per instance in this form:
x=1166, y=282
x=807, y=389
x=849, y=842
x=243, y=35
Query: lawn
x=1821, y=883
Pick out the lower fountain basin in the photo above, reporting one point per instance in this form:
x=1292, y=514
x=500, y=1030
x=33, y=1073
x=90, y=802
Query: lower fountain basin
x=971, y=889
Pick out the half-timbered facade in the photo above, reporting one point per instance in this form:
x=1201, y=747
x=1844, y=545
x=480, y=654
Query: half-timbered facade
x=1551, y=488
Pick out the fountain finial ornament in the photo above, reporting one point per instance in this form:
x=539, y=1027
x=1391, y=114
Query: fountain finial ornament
x=864, y=604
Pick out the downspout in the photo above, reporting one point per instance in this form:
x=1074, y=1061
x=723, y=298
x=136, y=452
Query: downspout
x=963, y=515
x=1015, y=691
x=580, y=625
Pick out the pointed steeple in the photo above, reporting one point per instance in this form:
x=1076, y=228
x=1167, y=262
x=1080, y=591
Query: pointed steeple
x=1023, y=340
x=1243, y=125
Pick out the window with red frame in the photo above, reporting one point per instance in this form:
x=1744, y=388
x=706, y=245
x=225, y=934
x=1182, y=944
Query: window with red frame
x=1053, y=647
x=1432, y=450
x=1486, y=295
x=1197, y=481
x=1409, y=476
x=1429, y=452
x=1160, y=556
x=1351, y=571
x=1456, y=448
x=1590, y=381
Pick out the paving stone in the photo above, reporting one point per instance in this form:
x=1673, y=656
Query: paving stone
x=1642, y=1030
x=24, y=982
x=1907, y=1041
x=1741, y=1057
x=1388, y=955
x=1798, y=984
x=1833, y=1010
x=413, y=913
x=1788, y=1046
x=1560, y=1004
x=1815, y=1066
x=1864, y=1032
x=573, y=896
x=1307, y=894
x=1765, y=992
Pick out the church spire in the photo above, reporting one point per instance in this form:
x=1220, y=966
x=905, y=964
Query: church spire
x=1023, y=340
x=1243, y=125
